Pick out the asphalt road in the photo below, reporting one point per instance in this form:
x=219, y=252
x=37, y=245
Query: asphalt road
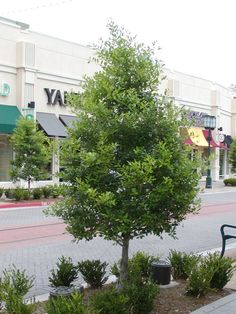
x=34, y=242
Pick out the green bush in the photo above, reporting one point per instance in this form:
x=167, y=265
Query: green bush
x=1, y=192
x=141, y=294
x=65, y=273
x=109, y=301
x=47, y=191
x=18, y=193
x=199, y=280
x=222, y=269
x=8, y=193
x=140, y=262
x=37, y=193
x=55, y=192
x=15, y=304
x=13, y=286
x=93, y=272
x=230, y=181
x=66, y=305
x=26, y=195
x=182, y=263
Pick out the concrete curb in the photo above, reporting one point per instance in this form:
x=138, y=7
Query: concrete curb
x=26, y=204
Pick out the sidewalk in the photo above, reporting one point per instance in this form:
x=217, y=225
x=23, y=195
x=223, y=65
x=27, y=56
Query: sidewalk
x=216, y=188
x=226, y=305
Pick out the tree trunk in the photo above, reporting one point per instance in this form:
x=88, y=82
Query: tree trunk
x=124, y=263
x=29, y=184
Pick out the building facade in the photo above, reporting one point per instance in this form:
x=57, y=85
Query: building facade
x=36, y=72
x=203, y=97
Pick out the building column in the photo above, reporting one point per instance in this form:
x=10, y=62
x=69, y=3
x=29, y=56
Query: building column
x=215, y=111
x=55, y=161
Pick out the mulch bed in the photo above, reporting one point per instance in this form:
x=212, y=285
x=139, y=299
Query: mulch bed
x=171, y=300
x=174, y=300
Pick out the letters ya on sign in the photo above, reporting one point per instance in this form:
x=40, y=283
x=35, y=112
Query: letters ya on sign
x=4, y=89
x=54, y=96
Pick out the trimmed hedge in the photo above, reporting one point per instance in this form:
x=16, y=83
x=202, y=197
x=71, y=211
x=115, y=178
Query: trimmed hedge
x=230, y=181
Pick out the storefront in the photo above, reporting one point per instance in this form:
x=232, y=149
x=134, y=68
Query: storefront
x=37, y=71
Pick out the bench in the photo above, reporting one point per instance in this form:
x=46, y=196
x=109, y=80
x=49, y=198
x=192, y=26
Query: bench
x=226, y=237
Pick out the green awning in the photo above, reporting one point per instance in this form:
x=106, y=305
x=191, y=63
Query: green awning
x=8, y=118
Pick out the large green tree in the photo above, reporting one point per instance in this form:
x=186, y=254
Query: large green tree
x=128, y=171
x=232, y=155
x=31, y=151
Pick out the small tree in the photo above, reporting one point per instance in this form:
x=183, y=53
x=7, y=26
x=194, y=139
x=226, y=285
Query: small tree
x=232, y=155
x=128, y=169
x=32, y=153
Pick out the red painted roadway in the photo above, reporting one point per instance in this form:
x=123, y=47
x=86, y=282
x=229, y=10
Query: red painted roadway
x=32, y=235
x=54, y=231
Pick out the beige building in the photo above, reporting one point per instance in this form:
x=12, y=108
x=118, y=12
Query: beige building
x=37, y=70
x=204, y=97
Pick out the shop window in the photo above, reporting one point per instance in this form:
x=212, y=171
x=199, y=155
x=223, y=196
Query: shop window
x=5, y=158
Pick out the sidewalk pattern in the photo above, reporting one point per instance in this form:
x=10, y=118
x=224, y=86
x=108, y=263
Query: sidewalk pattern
x=96, y=249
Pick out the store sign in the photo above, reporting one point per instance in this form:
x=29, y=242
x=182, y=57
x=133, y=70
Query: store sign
x=5, y=89
x=197, y=118
x=54, y=97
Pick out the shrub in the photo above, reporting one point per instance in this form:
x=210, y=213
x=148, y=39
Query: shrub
x=66, y=305
x=222, y=269
x=37, y=193
x=18, y=193
x=140, y=262
x=55, y=192
x=141, y=294
x=109, y=301
x=8, y=193
x=199, y=280
x=15, y=304
x=65, y=273
x=26, y=195
x=47, y=191
x=182, y=263
x=1, y=192
x=18, y=279
x=13, y=286
x=93, y=272
x=230, y=181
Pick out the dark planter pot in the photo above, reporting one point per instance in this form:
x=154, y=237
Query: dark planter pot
x=63, y=291
x=161, y=272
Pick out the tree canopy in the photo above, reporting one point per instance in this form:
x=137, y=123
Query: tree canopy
x=128, y=170
x=31, y=151
x=232, y=155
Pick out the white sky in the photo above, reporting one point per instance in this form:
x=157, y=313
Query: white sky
x=197, y=37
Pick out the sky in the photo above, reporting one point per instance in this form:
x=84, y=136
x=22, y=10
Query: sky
x=195, y=36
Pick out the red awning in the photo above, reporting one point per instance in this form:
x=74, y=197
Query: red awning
x=224, y=146
x=194, y=137
x=212, y=142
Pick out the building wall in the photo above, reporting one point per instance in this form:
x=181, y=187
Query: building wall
x=206, y=97
x=31, y=62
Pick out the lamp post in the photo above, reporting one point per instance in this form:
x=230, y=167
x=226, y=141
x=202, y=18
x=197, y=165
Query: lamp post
x=210, y=125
